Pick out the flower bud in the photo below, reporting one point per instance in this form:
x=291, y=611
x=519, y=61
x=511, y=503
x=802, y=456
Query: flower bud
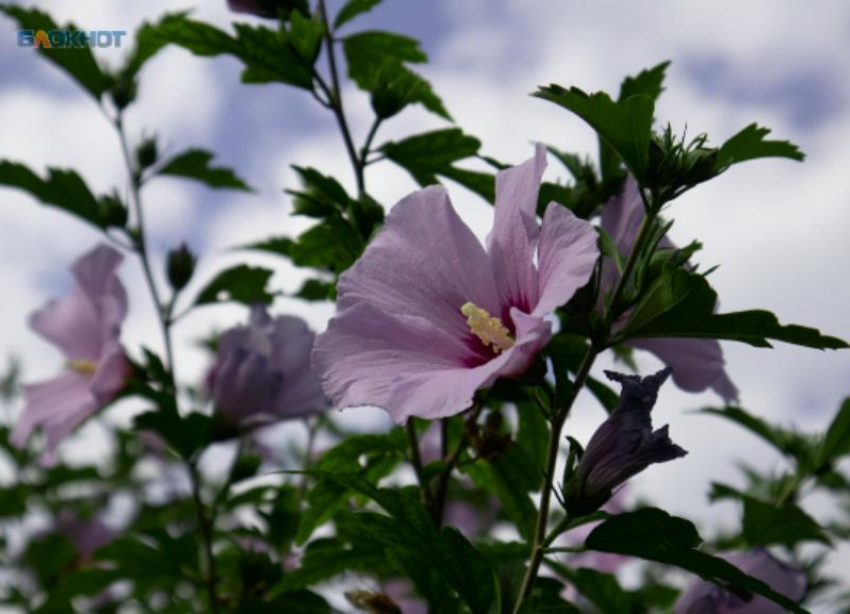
x=623, y=446
x=181, y=266
x=147, y=154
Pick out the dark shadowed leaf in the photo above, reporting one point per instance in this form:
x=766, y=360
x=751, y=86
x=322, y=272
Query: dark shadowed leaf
x=836, y=443
x=266, y=56
x=352, y=9
x=410, y=534
x=242, y=284
x=624, y=125
x=750, y=144
x=78, y=62
x=681, y=304
x=766, y=524
x=195, y=164
x=63, y=189
x=655, y=535
x=366, y=53
x=648, y=82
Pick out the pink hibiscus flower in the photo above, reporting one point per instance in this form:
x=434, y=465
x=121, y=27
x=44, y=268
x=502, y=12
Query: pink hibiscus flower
x=427, y=316
x=85, y=326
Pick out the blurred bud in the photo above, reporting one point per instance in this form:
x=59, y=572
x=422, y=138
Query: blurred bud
x=146, y=153
x=181, y=266
x=121, y=89
x=623, y=446
x=112, y=211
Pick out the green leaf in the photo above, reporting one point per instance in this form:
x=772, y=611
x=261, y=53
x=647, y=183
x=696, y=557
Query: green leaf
x=681, y=304
x=186, y=435
x=366, y=53
x=148, y=44
x=790, y=443
x=328, y=497
x=434, y=153
x=836, y=443
x=624, y=125
x=352, y=9
x=267, y=56
x=765, y=524
x=63, y=189
x=316, y=290
x=410, y=532
x=322, y=196
x=195, y=164
x=279, y=246
x=78, y=62
x=648, y=82
x=13, y=500
x=654, y=535
x=332, y=245
x=602, y=590
x=242, y=284
x=750, y=144
x=396, y=86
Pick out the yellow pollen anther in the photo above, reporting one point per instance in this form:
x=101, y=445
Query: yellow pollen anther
x=487, y=328
x=82, y=366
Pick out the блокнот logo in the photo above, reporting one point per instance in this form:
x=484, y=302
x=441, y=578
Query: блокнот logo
x=70, y=39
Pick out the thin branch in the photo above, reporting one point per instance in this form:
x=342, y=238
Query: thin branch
x=416, y=461
x=206, y=526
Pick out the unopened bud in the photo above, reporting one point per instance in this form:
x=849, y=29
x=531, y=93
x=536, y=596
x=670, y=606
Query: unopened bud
x=181, y=266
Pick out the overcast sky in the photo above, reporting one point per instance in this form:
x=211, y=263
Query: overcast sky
x=776, y=228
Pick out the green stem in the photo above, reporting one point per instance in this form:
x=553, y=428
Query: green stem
x=206, y=526
x=140, y=247
x=540, y=538
x=335, y=99
x=416, y=461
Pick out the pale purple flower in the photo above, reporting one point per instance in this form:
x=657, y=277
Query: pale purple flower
x=703, y=597
x=623, y=446
x=427, y=316
x=262, y=372
x=697, y=363
x=86, y=534
x=85, y=326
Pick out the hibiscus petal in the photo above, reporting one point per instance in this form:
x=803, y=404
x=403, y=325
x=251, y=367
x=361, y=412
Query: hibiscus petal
x=442, y=392
x=113, y=369
x=365, y=351
x=567, y=254
x=94, y=310
x=292, y=341
x=425, y=262
x=512, y=241
x=697, y=364
x=623, y=214
x=57, y=406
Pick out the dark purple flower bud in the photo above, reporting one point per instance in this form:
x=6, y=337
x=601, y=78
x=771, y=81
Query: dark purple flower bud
x=623, y=446
x=181, y=266
x=703, y=597
x=262, y=372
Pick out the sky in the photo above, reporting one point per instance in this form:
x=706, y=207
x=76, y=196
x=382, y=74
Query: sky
x=776, y=228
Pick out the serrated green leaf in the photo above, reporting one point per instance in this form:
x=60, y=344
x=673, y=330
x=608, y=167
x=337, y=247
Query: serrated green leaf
x=332, y=245
x=681, y=304
x=279, y=246
x=836, y=442
x=648, y=82
x=790, y=443
x=266, y=55
x=366, y=53
x=78, y=62
x=624, y=125
x=352, y=9
x=241, y=284
x=195, y=164
x=765, y=524
x=63, y=189
x=396, y=86
x=655, y=535
x=750, y=144
x=409, y=531
x=316, y=290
